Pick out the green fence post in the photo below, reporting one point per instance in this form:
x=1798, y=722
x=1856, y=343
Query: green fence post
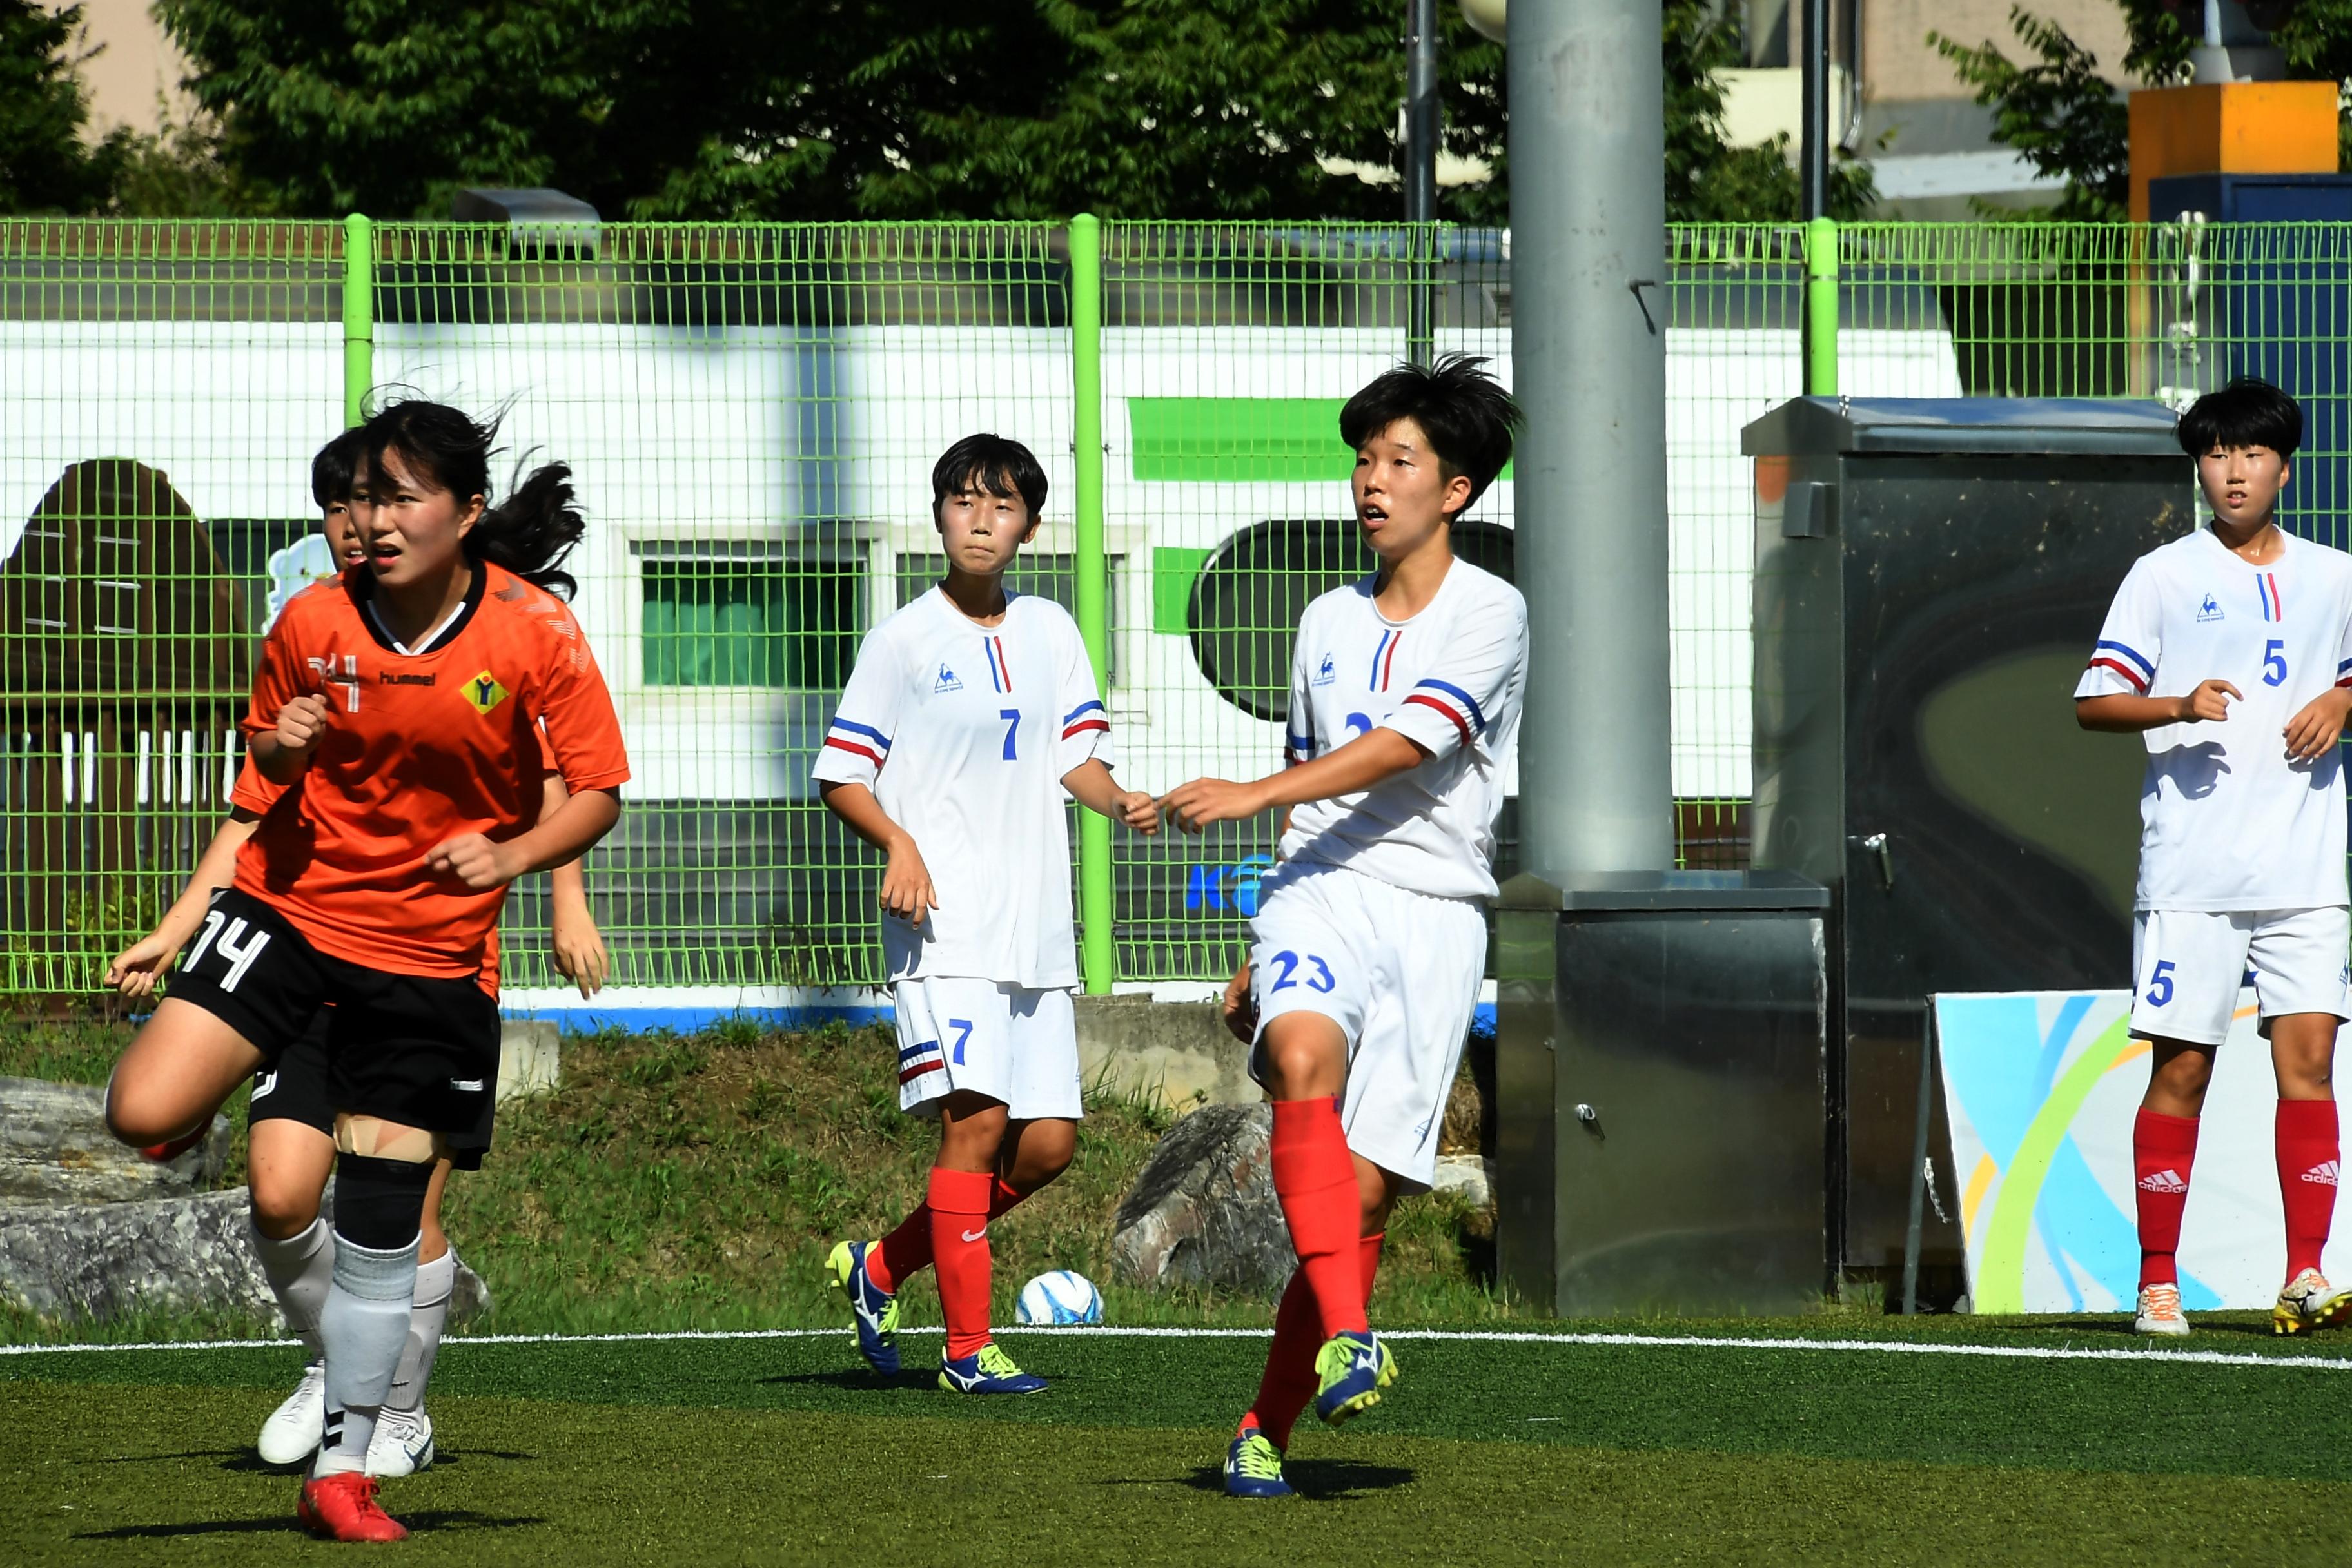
x=1093, y=568
x=1820, y=308
x=359, y=316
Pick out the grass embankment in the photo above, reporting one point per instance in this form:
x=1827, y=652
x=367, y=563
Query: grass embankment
x=697, y=1182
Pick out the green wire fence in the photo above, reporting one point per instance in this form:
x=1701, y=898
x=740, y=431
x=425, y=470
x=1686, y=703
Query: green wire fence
x=751, y=413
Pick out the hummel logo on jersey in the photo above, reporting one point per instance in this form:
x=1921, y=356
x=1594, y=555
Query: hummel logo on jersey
x=2321, y=1175
x=947, y=680
x=484, y=693
x=2211, y=610
x=2163, y=1181
x=1325, y=673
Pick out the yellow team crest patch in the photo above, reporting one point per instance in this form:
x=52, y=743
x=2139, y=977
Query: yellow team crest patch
x=484, y=693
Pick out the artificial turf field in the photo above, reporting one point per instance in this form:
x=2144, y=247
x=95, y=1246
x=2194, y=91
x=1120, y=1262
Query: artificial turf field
x=2085, y=1448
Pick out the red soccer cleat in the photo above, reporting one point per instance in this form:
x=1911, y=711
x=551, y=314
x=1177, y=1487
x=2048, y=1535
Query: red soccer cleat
x=159, y=1152
x=343, y=1507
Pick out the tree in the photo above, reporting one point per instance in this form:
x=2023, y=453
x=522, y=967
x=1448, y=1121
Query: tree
x=44, y=165
x=887, y=109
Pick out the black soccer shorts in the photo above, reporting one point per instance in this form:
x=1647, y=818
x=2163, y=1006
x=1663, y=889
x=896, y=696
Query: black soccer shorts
x=415, y=1050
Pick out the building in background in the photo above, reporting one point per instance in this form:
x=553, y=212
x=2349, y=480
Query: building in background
x=134, y=77
x=1898, y=102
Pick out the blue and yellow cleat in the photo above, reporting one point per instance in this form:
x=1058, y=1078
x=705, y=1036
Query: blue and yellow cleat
x=1353, y=1369
x=1253, y=1467
x=873, y=1309
x=988, y=1370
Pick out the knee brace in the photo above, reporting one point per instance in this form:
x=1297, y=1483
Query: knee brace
x=380, y=1204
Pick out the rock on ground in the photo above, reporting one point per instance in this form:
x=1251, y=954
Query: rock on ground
x=54, y=1149
x=103, y=1260
x=1204, y=1211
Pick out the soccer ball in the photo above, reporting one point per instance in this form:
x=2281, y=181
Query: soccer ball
x=1059, y=1297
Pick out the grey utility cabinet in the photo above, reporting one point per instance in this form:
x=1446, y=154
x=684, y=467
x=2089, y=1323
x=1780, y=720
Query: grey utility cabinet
x=1660, y=1075
x=1930, y=575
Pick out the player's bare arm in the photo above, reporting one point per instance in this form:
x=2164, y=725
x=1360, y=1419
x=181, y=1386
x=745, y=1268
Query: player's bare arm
x=2313, y=732
x=1091, y=786
x=283, y=753
x=136, y=969
x=907, y=890
x=579, y=949
x=1365, y=760
x=483, y=863
x=2124, y=714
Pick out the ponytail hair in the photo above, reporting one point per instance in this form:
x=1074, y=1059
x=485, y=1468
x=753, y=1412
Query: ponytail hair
x=530, y=532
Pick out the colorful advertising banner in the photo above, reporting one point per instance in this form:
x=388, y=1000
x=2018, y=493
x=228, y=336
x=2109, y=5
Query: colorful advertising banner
x=2041, y=1088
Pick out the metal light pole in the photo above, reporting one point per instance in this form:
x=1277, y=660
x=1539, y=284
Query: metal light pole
x=1813, y=146
x=1421, y=126
x=1588, y=345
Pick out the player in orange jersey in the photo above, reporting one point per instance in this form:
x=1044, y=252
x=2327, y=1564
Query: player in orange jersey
x=290, y=1135
x=397, y=710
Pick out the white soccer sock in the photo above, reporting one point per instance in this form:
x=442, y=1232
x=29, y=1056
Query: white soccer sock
x=364, y=1327
x=298, y=1270
x=435, y=1281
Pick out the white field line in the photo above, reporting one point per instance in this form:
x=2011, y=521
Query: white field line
x=1689, y=1341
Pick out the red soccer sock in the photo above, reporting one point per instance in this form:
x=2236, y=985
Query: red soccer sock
x=907, y=1251
x=1314, y=1177
x=1289, y=1379
x=2308, y=1158
x=959, y=1205
x=2163, y=1150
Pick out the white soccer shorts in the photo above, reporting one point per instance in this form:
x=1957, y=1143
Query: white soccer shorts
x=1397, y=972
x=1010, y=1042
x=2189, y=965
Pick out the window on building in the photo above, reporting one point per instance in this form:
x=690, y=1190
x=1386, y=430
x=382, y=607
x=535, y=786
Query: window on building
x=750, y=613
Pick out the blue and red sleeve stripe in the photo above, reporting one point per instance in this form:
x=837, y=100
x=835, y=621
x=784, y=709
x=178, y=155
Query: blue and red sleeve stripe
x=1454, y=702
x=2129, y=663
x=1088, y=715
x=859, y=740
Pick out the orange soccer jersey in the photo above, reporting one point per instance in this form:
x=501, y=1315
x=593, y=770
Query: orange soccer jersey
x=420, y=748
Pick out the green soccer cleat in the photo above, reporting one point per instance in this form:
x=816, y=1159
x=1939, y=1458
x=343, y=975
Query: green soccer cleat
x=1353, y=1368
x=875, y=1310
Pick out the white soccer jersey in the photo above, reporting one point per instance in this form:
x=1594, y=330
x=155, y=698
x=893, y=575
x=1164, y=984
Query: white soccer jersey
x=2228, y=820
x=963, y=732
x=1449, y=679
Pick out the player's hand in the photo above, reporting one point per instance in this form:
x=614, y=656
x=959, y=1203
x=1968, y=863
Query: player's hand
x=1137, y=809
x=907, y=890
x=2313, y=733
x=581, y=955
x=303, y=725
x=474, y=860
x=1241, y=1007
x=1194, y=806
x=134, y=971
x=2209, y=703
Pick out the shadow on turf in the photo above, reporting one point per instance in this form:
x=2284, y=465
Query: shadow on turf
x=246, y=1461
x=443, y=1518
x=2118, y=1326
x=1323, y=1481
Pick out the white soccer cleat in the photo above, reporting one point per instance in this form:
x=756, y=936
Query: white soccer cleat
x=291, y=1433
x=2308, y=1302
x=2160, y=1312
x=403, y=1443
